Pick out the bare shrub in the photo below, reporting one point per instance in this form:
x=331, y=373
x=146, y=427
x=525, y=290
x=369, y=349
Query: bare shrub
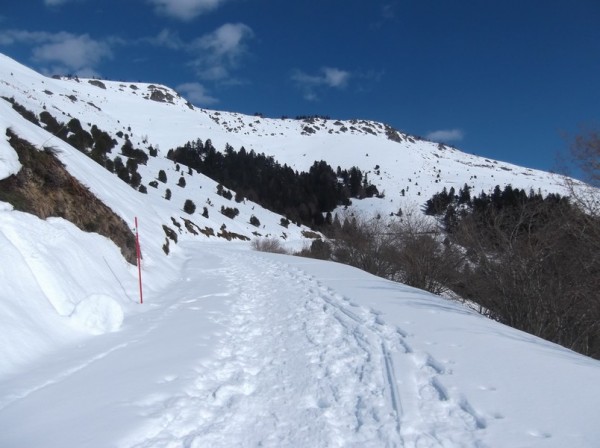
x=585, y=152
x=585, y=155
x=268, y=245
x=422, y=256
x=366, y=244
x=537, y=268
x=409, y=250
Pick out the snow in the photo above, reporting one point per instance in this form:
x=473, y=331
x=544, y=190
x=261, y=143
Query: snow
x=49, y=268
x=98, y=314
x=9, y=162
x=238, y=348
x=253, y=349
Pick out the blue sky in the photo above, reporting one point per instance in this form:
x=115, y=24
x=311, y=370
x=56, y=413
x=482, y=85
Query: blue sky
x=503, y=79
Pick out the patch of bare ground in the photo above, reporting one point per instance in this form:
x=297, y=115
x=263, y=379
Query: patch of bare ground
x=43, y=187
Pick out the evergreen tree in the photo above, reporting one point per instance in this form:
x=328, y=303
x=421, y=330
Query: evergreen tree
x=135, y=179
x=254, y=221
x=464, y=195
x=189, y=206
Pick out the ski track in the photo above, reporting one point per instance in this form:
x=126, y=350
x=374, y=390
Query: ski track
x=300, y=365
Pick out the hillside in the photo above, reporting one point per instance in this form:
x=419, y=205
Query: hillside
x=237, y=348
x=156, y=116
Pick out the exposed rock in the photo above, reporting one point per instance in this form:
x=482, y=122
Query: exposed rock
x=392, y=134
x=160, y=95
x=97, y=83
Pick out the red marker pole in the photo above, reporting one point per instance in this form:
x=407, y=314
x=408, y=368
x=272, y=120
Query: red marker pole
x=139, y=259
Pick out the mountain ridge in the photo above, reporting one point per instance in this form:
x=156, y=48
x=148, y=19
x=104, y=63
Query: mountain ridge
x=418, y=167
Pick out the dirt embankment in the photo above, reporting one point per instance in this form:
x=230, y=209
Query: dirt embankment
x=44, y=187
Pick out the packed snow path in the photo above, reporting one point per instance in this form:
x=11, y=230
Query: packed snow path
x=251, y=349
x=297, y=365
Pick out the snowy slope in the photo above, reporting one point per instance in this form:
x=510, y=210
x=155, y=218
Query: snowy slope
x=161, y=124
x=237, y=348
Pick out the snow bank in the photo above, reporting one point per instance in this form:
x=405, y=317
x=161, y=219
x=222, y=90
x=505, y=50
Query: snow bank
x=58, y=283
x=98, y=314
x=9, y=162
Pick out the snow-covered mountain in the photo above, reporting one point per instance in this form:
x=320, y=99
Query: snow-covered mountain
x=239, y=348
x=154, y=115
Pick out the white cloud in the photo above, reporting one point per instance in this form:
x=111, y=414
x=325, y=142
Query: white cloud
x=335, y=77
x=10, y=37
x=227, y=41
x=220, y=51
x=184, y=9
x=214, y=55
x=445, y=135
x=165, y=38
x=327, y=77
x=311, y=96
x=303, y=79
x=196, y=93
x=214, y=73
x=52, y=3
x=387, y=14
x=75, y=53
x=388, y=11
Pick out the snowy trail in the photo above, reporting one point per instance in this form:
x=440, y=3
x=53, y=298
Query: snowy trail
x=287, y=372
x=245, y=350
x=299, y=365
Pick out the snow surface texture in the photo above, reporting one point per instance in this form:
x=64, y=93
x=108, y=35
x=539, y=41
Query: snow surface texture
x=250, y=349
x=9, y=162
x=237, y=348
